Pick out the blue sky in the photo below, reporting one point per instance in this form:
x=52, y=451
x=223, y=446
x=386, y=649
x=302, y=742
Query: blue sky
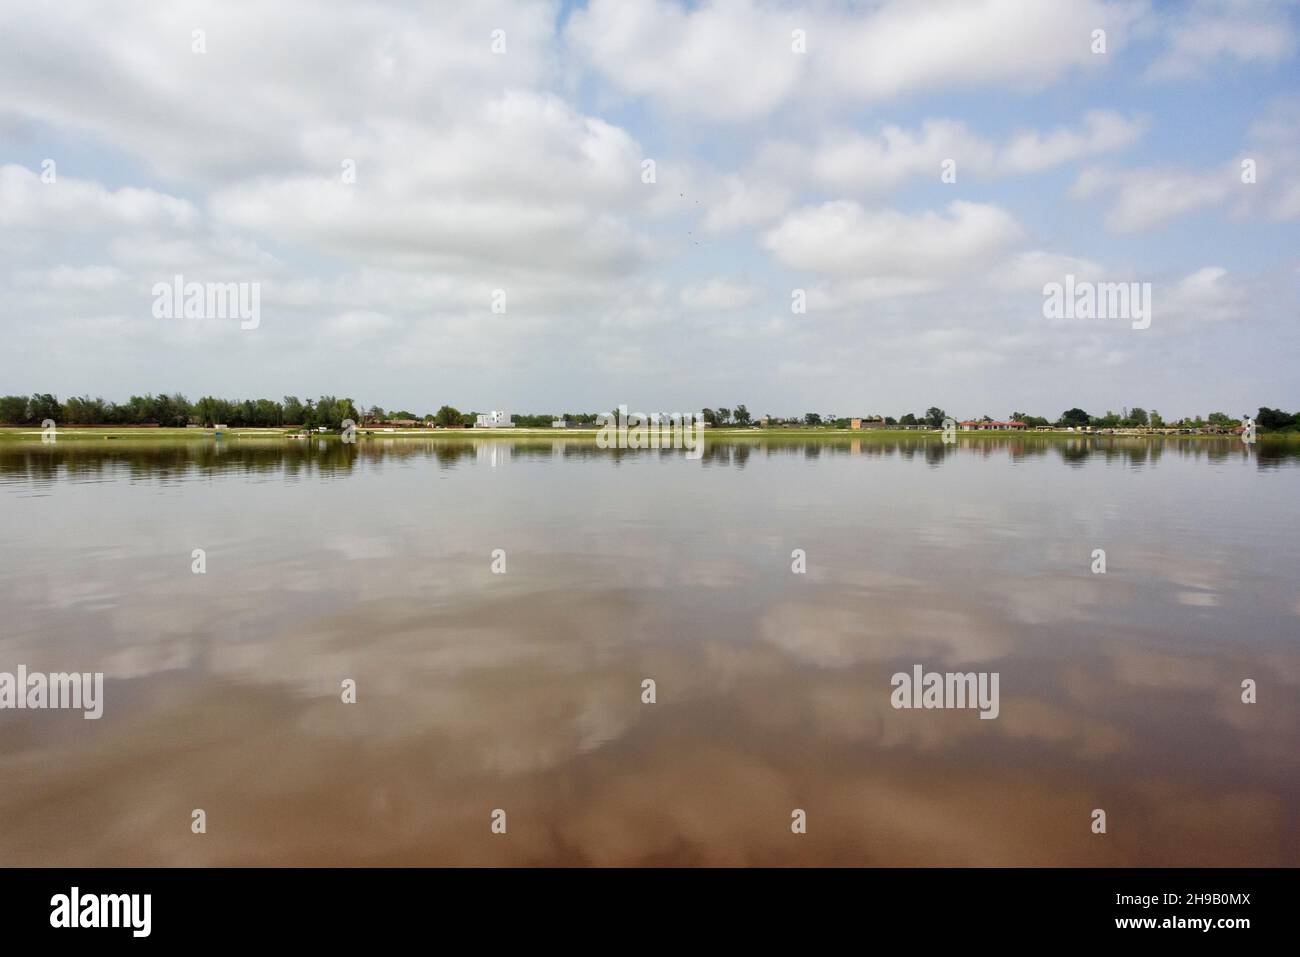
x=521, y=170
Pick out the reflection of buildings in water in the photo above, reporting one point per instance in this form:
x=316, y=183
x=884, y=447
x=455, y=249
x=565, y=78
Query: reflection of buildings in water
x=493, y=454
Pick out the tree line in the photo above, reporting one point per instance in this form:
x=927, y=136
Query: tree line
x=176, y=411
x=1266, y=420
x=330, y=412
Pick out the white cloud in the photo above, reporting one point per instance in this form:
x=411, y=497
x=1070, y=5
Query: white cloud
x=1104, y=131
x=732, y=60
x=353, y=327
x=725, y=60
x=1146, y=198
x=1030, y=271
x=842, y=239
x=1273, y=144
x=1288, y=202
x=1206, y=295
x=278, y=81
x=94, y=278
x=717, y=295
x=529, y=183
x=26, y=202
x=1233, y=30
x=745, y=202
x=907, y=47
x=848, y=160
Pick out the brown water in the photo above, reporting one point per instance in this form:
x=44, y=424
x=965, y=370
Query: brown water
x=522, y=691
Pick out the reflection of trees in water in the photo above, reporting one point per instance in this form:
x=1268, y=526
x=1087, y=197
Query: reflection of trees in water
x=160, y=461
x=726, y=453
x=1270, y=455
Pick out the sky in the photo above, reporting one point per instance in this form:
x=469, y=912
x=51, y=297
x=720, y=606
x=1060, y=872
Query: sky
x=566, y=207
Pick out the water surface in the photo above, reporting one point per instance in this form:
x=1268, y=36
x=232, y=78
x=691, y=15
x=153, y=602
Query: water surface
x=522, y=691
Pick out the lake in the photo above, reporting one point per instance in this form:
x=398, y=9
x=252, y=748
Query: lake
x=500, y=604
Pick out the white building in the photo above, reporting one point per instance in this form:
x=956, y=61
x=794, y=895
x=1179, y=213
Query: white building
x=494, y=420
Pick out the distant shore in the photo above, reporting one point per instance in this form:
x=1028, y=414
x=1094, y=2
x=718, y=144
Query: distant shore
x=102, y=433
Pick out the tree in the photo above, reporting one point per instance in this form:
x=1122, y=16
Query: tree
x=1138, y=417
x=908, y=419
x=13, y=409
x=812, y=418
x=293, y=411
x=447, y=417
x=1075, y=418
x=1268, y=420
x=724, y=415
x=84, y=411
x=934, y=417
x=710, y=417
x=268, y=413
x=44, y=406
x=171, y=411
x=742, y=415
x=331, y=411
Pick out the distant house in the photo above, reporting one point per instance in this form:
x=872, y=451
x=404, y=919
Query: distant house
x=870, y=422
x=1015, y=425
x=566, y=424
x=493, y=420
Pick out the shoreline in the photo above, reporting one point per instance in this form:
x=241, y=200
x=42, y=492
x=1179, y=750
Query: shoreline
x=84, y=433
